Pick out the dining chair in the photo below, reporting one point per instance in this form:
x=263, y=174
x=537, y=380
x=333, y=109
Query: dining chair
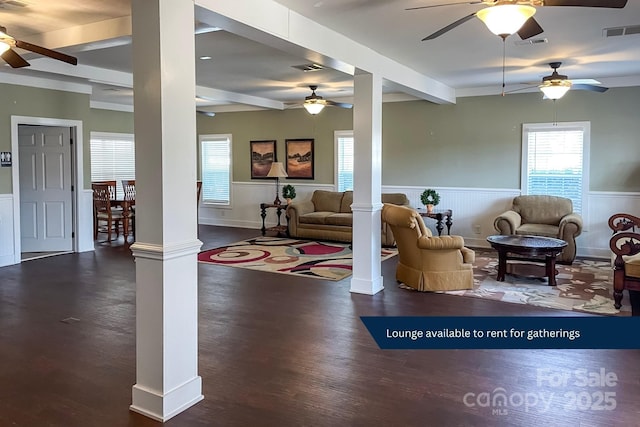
x=103, y=211
x=199, y=187
x=112, y=184
x=129, y=187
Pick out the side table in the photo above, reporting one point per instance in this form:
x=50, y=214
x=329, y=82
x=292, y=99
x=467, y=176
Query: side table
x=439, y=215
x=279, y=229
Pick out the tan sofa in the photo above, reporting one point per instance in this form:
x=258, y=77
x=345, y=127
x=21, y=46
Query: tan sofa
x=427, y=262
x=547, y=216
x=327, y=216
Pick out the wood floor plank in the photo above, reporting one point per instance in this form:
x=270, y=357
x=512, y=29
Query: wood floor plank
x=274, y=350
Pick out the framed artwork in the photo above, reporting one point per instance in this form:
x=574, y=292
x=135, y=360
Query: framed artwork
x=263, y=153
x=299, y=158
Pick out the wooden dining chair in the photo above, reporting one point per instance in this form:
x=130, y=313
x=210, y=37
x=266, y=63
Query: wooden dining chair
x=112, y=184
x=129, y=188
x=103, y=212
x=199, y=188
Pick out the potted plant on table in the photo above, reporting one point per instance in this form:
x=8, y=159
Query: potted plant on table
x=289, y=192
x=429, y=199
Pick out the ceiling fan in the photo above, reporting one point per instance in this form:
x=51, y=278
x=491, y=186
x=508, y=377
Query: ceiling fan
x=555, y=85
x=505, y=17
x=7, y=43
x=315, y=103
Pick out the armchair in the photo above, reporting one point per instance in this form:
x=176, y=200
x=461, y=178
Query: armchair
x=427, y=262
x=625, y=246
x=547, y=216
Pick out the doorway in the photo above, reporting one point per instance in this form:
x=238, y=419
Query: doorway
x=47, y=170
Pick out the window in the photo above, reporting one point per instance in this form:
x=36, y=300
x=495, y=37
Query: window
x=555, y=161
x=215, y=158
x=344, y=159
x=113, y=157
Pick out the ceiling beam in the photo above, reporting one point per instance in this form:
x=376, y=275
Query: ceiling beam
x=295, y=34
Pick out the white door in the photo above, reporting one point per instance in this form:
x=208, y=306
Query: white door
x=46, y=215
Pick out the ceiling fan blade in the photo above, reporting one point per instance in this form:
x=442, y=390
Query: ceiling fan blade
x=449, y=27
x=592, y=88
x=13, y=59
x=529, y=29
x=47, y=52
x=444, y=4
x=613, y=4
x=522, y=88
x=339, y=104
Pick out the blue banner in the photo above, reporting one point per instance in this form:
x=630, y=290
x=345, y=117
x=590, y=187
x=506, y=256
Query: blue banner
x=504, y=332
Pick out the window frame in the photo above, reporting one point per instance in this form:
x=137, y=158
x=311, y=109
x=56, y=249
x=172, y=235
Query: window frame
x=208, y=138
x=585, y=127
x=336, y=137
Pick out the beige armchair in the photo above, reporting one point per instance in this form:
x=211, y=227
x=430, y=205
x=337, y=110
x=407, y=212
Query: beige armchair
x=427, y=262
x=547, y=216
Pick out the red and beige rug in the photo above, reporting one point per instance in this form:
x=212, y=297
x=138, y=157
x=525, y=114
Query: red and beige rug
x=585, y=286
x=321, y=260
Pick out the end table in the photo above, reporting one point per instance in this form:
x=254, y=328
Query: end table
x=281, y=230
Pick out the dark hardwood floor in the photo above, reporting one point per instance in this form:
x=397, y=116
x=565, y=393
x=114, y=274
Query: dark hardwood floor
x=279, y=350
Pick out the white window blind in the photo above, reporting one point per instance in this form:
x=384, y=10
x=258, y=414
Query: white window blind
x=344, y=159
x=555, y=161
x=113, y=158
x=215, y=156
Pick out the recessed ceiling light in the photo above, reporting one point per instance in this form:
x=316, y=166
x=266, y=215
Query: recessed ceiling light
x=206, y=58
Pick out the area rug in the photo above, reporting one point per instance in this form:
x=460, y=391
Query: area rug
x=585, y=286
x=320, y=260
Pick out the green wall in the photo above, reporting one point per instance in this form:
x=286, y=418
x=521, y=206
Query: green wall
x=36, y=102
x=475, y=143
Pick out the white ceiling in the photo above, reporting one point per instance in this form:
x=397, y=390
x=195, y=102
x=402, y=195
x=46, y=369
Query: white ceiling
x=468, y=58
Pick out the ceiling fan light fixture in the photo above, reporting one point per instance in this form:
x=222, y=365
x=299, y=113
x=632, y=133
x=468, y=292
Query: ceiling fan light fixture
x=506, y=19
x=555, y=89
x=3, y=47
x=313, y=107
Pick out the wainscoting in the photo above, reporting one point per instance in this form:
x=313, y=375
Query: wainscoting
x=474, y=210
x=7, y=253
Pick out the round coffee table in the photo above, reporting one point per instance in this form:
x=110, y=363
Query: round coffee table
x=527, y=248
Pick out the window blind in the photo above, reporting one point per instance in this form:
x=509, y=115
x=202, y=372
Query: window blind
x=555, y=163
x=215, y=154
x=344, y=144
x=112, y=158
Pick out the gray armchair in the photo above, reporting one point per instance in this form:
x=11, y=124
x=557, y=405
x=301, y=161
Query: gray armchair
x=547, y=216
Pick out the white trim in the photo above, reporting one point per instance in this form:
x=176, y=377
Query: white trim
x=100, y=105
x=29, y=81
x=77, y=177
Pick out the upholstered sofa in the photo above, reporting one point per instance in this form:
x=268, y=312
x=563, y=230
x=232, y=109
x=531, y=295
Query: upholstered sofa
x=328, y=216
x=548, y=216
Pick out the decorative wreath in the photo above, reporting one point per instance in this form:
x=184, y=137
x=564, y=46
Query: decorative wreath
x=430, y=197
x=289, y=192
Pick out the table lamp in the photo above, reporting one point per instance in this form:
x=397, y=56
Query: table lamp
x=277, y=171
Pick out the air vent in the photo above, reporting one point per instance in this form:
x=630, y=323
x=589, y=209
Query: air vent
x=308, y=67
x=531, y=41
x=621, y=31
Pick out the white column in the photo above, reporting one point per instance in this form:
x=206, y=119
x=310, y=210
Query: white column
x=367, y=131
x=166, y=247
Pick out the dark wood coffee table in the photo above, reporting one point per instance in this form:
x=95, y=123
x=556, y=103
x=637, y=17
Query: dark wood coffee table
x=533, y=249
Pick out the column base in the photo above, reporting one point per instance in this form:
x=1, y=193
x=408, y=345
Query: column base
x=367, y=287
x=162, y=407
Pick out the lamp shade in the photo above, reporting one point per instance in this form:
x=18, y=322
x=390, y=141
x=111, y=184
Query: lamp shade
x=313, y=107
x=555, y=89
x=277, y=171
x=506, y=19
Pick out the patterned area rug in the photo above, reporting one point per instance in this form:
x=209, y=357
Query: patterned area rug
x=321, y=260
x=585, y=286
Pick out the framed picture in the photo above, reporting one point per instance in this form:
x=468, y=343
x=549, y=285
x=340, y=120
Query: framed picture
x=299, y=158
x=263, y=153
